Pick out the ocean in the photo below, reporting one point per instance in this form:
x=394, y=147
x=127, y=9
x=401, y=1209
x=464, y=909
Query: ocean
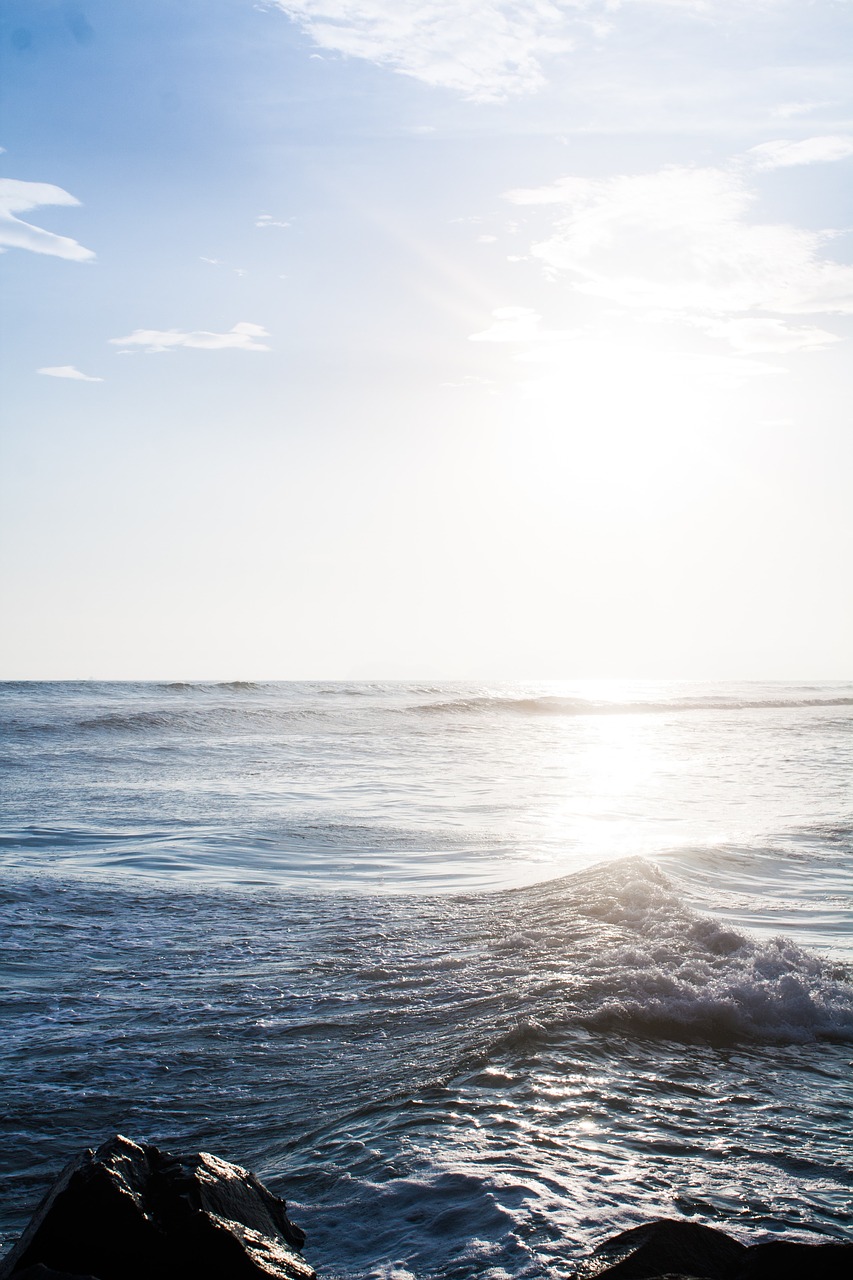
x=473, y=975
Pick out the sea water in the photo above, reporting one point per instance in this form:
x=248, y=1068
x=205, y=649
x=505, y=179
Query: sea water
x=472, y=975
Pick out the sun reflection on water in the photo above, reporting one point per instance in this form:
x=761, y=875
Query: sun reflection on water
x=602, y=774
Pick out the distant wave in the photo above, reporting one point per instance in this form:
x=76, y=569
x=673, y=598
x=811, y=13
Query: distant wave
x=132, y=720
x=554, y=705
x=115, y=722
x=205, y=686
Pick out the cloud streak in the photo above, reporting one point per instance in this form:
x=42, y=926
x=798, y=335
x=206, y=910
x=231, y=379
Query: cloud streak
x=21, y=197
x=783, y=154
x=67, y=371
x=267, y=220
x=243, y=337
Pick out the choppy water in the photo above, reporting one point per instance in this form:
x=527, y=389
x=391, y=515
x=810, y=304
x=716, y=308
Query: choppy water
x=473, y=976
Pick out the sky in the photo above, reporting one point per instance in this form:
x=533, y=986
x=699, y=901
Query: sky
x=390, y=339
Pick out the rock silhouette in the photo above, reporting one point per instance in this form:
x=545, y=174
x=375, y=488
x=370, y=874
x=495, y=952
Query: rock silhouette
x=672, y=1249
x=132, y=1212
x=666, y=1246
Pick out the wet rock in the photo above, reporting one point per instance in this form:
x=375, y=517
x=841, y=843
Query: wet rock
x=666, y=1247
x=793, y=1260
x=131, y=1212
x=672, y=1249
x=40, y=1272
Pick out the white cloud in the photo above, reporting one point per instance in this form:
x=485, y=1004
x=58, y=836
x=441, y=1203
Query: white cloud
x=267, y=220
x=511, y=324
x=787, y=110
x=781, y=154
x=486, y=51
x=756, y=335
x=678, y=243
x=519, y=324
x=218, y=262
x=243, y=337
x=68, y=371
x=21, y=197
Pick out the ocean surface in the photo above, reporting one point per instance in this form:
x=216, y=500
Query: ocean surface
x=473, y=975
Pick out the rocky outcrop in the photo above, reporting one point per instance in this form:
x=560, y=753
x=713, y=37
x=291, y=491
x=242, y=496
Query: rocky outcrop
x=132, y=1212
x=793, y=1260
x=668, y=1245
x=129, y=1211
x=41, y=1272
x=672, y=1249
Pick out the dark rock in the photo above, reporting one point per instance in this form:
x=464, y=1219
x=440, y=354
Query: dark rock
x=793, y=1260
x=41, y=1272
x=666, y=1247
x=672, y=1249
x=131, y=1212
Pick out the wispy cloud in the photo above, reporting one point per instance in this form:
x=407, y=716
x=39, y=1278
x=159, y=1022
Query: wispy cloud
x=679, y=244
x=20, y=197
x=520, y=325
x=484, y=51
x=788, y=110
x=243, y=337
x=782, y=153
x=68, y=371
x=764, y=336
x=267, y=220
x=218, y=262
x=511, y=324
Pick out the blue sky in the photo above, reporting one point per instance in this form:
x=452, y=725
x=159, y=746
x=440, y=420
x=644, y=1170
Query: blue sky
x=363, y=338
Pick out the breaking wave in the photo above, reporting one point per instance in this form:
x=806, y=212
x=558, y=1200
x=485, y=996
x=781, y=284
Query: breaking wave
x=207, y=686
x=641, y=963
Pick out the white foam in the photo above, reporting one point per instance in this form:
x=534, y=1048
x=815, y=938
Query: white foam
x=654, y=966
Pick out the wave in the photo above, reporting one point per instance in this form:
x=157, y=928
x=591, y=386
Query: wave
x=774, y=993
x=205, y=686
x=132, y=720
x=641, y=963
x=555, y=705
x=117, y=721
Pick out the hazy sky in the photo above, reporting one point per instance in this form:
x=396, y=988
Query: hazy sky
x=364, y=338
